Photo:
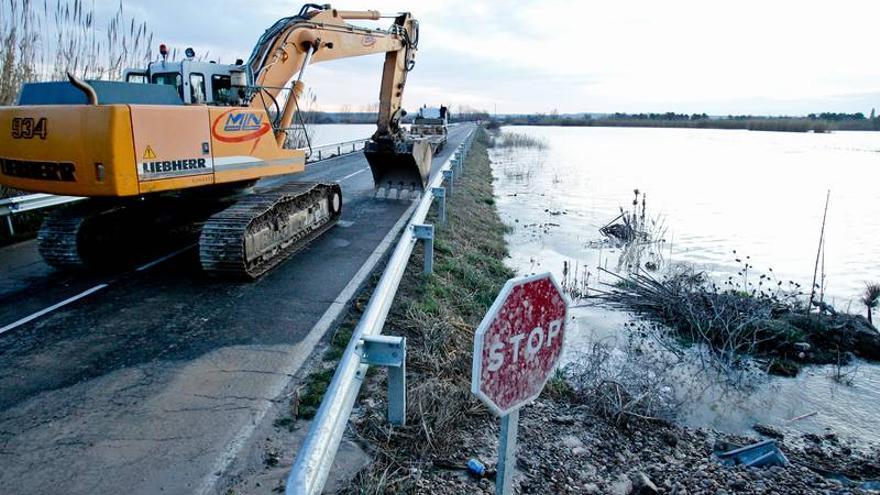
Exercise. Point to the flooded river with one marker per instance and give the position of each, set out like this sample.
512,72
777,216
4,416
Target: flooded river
322,134
759,193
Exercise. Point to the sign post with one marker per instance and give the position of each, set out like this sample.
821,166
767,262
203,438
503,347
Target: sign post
516,349
506,453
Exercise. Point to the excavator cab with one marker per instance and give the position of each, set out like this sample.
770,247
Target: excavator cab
195,82
191,82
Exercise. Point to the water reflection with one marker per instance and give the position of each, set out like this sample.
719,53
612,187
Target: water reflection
759,193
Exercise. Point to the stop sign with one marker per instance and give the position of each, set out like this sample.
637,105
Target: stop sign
519,342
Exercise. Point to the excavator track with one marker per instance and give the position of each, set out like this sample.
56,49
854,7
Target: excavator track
109,234
264,228
57,239
91,234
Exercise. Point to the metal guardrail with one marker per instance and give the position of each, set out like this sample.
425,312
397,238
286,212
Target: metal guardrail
21,204
315,456
29,202
326,151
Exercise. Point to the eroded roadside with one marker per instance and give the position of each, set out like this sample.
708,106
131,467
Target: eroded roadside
567,443
469,269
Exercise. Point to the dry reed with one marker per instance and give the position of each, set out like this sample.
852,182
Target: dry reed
41,43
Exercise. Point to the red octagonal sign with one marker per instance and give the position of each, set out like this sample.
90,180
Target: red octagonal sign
519,342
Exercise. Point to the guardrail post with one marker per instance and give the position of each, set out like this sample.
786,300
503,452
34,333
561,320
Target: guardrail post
425,233
449,175
390,352
440,195
9,225
339,150
353,145
319,155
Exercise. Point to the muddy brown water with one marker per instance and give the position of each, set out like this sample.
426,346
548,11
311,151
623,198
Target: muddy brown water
760,193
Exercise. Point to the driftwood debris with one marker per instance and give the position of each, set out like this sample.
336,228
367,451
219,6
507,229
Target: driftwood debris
735,323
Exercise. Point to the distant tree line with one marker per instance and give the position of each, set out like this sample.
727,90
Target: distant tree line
671,116
814,122
466,113
838,117
369,113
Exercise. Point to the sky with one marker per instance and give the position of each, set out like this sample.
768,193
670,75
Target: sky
509,56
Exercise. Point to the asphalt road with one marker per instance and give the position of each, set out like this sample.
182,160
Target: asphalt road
156,381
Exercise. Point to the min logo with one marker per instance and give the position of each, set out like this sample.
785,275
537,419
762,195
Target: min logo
244,121
234,126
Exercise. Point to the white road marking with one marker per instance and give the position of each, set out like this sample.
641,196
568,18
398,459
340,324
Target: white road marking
305,347
349,176
165,258
88,292
52,308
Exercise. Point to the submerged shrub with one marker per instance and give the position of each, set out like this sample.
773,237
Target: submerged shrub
518,140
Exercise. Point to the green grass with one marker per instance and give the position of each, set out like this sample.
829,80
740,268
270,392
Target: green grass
557,387
469,270
313,392
307,399
438,315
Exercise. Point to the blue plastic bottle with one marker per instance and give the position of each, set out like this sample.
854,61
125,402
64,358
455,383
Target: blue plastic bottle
476,467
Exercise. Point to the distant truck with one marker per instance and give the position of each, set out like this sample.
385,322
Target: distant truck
431,123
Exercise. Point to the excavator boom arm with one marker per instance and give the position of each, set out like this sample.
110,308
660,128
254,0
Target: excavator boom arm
320,34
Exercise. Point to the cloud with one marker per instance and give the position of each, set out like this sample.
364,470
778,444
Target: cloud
749,56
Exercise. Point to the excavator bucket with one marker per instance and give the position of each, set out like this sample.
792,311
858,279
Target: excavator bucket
399,166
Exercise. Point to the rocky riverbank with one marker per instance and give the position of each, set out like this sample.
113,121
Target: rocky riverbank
563,448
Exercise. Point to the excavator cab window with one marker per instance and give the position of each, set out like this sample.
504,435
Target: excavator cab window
136,77
170,79
197,88
221,91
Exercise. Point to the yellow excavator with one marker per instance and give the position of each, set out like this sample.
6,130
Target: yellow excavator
183,142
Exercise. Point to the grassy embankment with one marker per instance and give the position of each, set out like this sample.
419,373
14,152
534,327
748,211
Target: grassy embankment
468,272
437,314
